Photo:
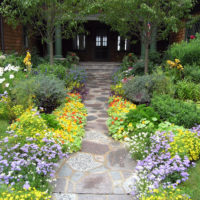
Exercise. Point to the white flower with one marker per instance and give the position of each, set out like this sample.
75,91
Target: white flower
2,80
11,76
3,57
7,84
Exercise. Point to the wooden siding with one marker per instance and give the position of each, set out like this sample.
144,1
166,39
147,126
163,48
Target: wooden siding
13,38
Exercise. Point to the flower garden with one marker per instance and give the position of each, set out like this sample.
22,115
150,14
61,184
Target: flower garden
42,120
158,116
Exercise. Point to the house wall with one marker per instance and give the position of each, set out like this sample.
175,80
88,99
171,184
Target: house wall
13,38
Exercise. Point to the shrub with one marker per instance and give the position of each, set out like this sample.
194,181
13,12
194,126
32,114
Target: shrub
72,58
192,73
187,52
49,93
23,92
139,89
141,112
188,90
58,70
75,78
176,111
163,84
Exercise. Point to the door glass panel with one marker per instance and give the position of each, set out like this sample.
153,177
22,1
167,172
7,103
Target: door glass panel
98,41
105,41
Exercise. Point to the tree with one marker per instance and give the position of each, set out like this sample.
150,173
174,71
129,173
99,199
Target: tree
43,16
141,17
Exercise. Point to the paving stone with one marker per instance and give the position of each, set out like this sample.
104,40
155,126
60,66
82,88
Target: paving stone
77,176
97,136
118,190
83,162
115,175
120,159
99,158
91,118
91,197
119,197
103,99
65,171
99,170
58,196
94,148
60,185
70,188
95,184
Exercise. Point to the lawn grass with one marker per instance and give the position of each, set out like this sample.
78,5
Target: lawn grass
192,185
3,126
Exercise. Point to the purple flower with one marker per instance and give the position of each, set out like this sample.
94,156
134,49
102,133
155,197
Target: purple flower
26,186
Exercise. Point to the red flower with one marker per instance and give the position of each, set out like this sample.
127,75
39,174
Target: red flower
192,37
116,118
113,122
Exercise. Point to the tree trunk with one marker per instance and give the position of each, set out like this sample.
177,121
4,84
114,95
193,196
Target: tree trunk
146,66
51,51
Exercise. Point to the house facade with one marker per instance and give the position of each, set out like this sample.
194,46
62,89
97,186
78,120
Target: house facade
99,43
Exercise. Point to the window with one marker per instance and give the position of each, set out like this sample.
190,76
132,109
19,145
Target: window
192,30
122,44
79,42
101,41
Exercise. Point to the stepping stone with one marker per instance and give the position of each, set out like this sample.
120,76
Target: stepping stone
97,136
58,196
65,171
120,159
60,185
94,148
83,162
91,118
95,184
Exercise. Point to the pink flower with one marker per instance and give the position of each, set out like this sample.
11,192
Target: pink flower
192,37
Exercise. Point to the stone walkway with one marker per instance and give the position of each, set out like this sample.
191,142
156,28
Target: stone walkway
102,170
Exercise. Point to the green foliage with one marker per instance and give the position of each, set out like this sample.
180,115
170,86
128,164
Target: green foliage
13,59
58,70
192,185
72,58
186,52
49,93
141,112
192,73
166,17
139,89
4,125
163,84
176,111
24,91
188,90
128,61
45,91
51,121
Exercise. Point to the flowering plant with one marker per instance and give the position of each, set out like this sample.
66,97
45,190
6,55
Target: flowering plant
27,61
118,108
25,165
30,194
72,119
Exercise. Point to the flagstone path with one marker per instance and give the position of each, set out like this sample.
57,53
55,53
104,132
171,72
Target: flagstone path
103,168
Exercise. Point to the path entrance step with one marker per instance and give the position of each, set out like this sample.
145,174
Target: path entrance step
103,169
93,67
